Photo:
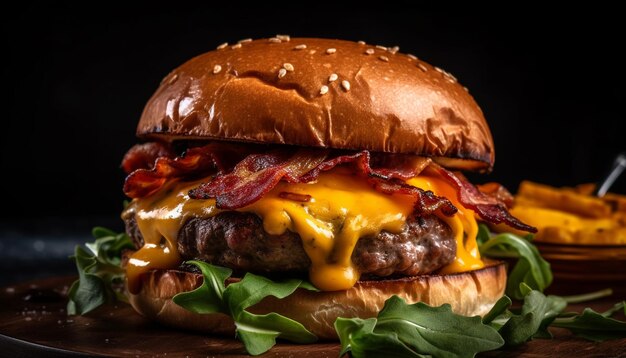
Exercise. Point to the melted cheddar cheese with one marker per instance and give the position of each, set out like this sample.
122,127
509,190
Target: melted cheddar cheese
342,208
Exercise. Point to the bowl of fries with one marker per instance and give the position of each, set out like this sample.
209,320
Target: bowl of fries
582,236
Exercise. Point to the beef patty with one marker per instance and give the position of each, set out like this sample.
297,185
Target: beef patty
237,240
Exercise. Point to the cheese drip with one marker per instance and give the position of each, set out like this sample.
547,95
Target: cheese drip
343,208
463,225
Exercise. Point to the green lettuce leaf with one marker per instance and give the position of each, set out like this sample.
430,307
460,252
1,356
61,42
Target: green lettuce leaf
416,330
257,332
99,273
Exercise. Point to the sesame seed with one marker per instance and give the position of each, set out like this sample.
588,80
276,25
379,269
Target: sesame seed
422,67
346,85
312,52
331,50
274,40
234,47
394,49
412,57
381,47
439,70
282,72
287,66
217,69
172,79
222,46
300,47
333,77
285,38
323,90
244,41
369,51
383,58
449,77
466,89
361,42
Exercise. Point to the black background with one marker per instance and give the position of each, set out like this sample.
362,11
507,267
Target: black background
551,85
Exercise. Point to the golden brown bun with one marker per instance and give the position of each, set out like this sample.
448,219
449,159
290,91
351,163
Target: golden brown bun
470,293
391,102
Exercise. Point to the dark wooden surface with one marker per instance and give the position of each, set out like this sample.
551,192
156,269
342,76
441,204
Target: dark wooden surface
33,321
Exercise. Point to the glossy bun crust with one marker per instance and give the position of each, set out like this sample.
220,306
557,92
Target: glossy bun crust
469,293
274,91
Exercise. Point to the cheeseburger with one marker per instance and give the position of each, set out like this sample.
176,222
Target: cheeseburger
333,161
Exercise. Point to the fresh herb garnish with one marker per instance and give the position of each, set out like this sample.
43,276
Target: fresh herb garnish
531,321
594,326
530,269
100,276
416,330
257,332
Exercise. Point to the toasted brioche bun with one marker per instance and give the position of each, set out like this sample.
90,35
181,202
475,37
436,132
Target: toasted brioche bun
285,92
469,293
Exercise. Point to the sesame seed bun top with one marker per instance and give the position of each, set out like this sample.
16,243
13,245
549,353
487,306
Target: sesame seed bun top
321,93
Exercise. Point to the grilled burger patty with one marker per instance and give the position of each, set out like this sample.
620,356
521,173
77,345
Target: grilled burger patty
238,241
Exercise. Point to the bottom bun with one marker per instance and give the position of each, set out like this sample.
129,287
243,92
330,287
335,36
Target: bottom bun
469,293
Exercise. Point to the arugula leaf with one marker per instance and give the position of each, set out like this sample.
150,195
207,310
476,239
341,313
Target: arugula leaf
538,311
594,326
499,314
584,297
416,330
530,269
99,271
257,332
616,308
357,337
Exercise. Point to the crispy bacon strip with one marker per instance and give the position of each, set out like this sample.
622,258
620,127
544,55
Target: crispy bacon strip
257,174
489,208
214,157
497,191
426,202
384,166
143,156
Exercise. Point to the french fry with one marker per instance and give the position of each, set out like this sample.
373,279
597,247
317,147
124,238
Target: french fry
618,202
560,227
568,201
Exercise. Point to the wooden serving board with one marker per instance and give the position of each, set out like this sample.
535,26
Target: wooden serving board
33,322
